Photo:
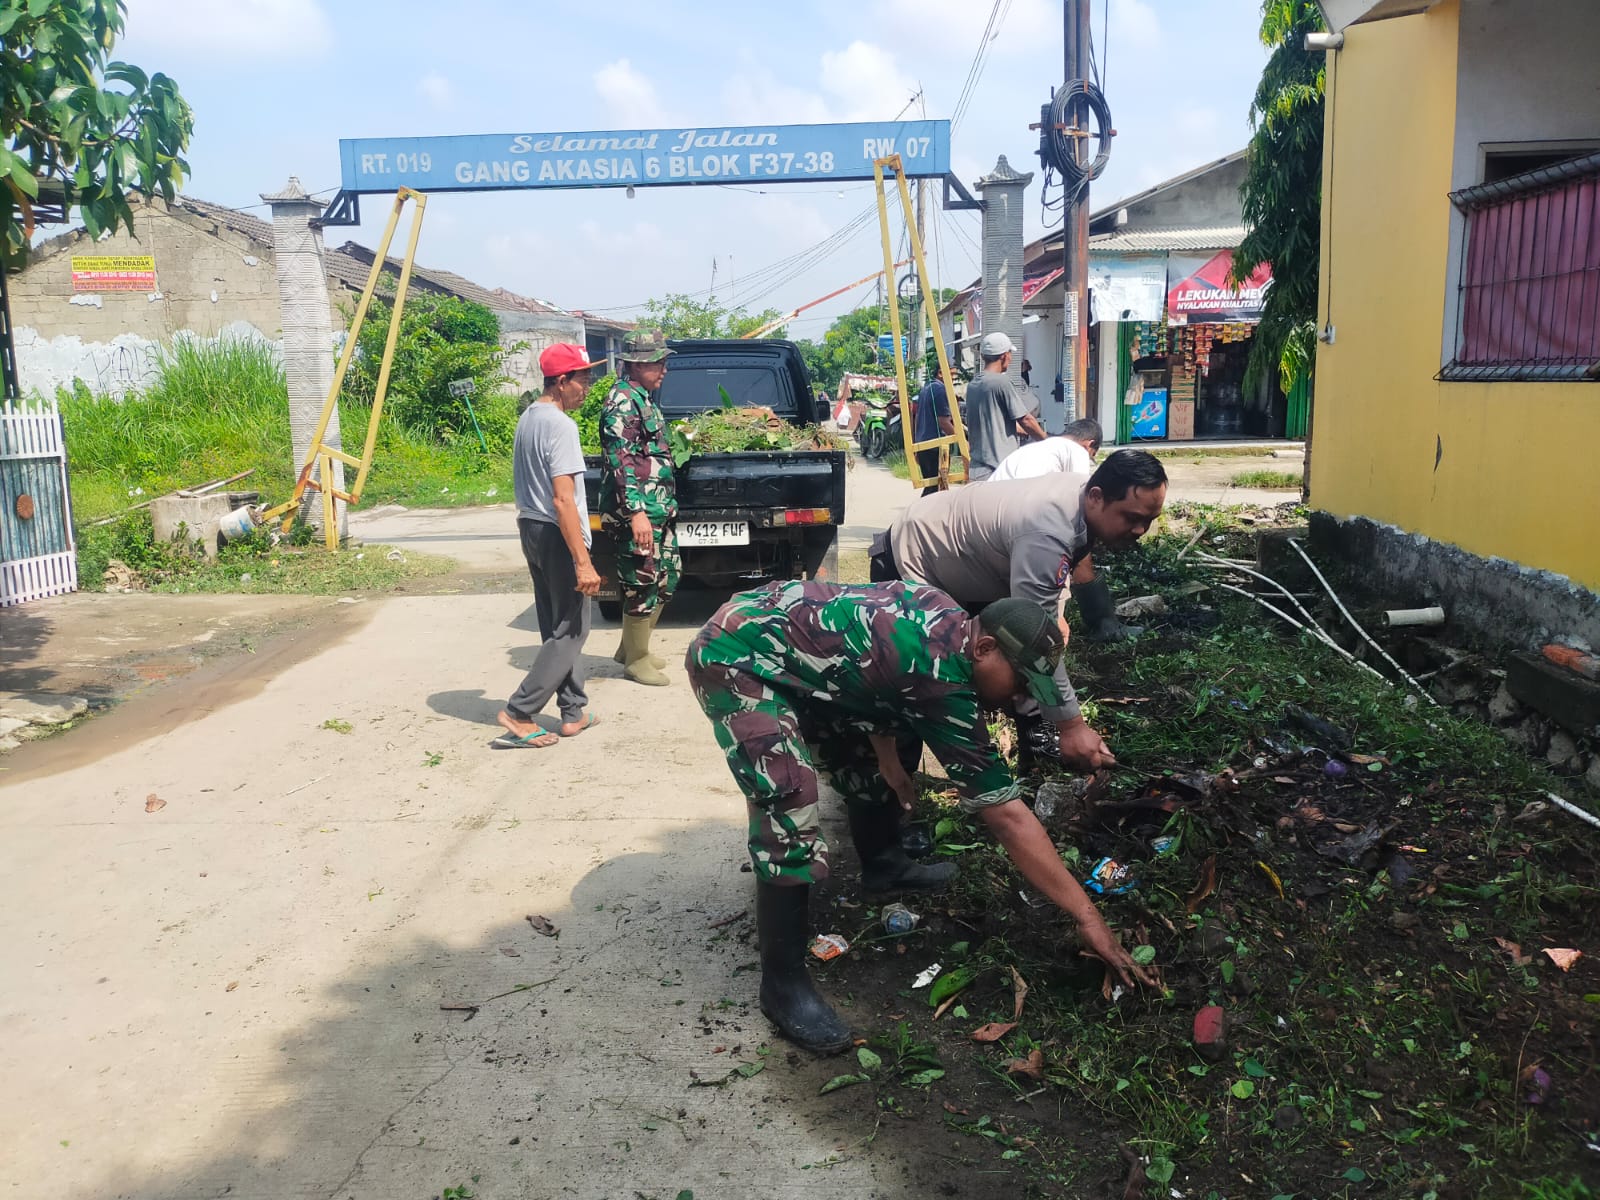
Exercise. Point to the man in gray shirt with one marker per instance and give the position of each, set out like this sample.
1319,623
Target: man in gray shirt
553,521
1023,538
995,412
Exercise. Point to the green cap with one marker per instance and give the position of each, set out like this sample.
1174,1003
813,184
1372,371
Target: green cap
1031,641
645,346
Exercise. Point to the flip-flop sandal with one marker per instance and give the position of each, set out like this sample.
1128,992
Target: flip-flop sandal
510,741
589,722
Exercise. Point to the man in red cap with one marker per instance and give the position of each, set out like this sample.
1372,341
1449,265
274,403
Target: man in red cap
553,519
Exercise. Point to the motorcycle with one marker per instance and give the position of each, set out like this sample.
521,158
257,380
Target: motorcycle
872,435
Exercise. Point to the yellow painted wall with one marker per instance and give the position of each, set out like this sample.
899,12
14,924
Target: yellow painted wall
1517,474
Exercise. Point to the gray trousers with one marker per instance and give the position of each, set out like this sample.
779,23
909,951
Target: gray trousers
563,625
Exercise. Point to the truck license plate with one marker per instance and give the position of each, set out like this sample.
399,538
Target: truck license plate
714,533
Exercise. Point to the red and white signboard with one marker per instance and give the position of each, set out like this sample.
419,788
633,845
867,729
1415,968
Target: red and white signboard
1198,291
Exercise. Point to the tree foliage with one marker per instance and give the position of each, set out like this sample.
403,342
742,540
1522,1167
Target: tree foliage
850,346
1282,191
71,116
682,316
442,339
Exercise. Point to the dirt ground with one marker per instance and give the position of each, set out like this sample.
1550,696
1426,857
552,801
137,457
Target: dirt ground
258,955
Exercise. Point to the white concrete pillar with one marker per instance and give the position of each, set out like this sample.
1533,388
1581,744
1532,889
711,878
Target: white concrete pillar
1002,190
306,314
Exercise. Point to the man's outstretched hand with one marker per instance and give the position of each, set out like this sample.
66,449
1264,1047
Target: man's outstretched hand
1103,944
1083,748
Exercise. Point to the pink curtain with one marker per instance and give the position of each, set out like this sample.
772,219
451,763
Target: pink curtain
1531,292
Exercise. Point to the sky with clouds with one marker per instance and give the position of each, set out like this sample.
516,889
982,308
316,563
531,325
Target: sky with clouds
276,83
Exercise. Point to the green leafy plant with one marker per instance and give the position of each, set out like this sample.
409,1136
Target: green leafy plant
442,339
72,117
335,725
1282,191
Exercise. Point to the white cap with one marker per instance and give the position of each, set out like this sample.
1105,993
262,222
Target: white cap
994,345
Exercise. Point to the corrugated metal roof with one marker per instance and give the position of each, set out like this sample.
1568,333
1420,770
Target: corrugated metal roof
1133,241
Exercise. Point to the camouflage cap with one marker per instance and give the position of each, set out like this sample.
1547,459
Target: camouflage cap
645,346
1031,642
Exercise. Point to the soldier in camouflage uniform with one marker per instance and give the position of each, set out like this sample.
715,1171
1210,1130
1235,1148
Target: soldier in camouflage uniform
639,500
805,677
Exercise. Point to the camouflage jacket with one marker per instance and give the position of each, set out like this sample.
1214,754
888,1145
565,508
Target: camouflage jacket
889,658
638,469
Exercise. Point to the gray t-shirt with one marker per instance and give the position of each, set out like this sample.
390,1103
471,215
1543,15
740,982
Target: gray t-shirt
993,409
546,447
1016,537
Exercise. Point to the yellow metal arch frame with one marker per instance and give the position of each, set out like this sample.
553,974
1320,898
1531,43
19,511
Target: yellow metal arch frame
944,478
318,472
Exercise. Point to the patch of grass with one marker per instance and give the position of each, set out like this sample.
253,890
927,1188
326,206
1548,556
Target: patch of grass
895,460
335,725
1267,479
1378,1027
217,408
252,565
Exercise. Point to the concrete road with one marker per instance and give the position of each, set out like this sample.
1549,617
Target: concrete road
230,926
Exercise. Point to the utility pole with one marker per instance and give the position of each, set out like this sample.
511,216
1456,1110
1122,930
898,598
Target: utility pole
922,311
1075,231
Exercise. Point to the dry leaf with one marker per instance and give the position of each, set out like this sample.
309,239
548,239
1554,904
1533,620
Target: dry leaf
1206,885
993,1031
1032,1066
543,925
954,1111
1363,760
510,953
1564,958
949,1002
231,986
1518,958
1019,993
154,803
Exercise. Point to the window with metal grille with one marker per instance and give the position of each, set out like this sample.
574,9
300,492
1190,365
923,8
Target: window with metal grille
1530,279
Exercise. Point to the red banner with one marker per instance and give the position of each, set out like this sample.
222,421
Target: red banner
1202,294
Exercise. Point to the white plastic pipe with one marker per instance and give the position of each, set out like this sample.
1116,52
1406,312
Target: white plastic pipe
1573,809
1397,617
1356,625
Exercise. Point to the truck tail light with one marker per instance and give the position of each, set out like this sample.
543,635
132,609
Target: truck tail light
803,516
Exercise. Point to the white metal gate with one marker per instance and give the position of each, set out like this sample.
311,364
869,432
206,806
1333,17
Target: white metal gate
37,554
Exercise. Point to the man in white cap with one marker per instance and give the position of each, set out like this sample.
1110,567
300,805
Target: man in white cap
996,414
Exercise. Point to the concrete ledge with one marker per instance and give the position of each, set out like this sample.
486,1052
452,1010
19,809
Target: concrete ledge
1501,605
1569,700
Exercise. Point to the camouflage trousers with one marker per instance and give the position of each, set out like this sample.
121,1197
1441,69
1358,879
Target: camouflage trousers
647,581
776,752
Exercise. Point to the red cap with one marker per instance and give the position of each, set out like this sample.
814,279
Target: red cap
563,358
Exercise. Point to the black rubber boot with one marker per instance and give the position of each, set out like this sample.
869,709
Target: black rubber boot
885,865
1099,612
1038,742
788,996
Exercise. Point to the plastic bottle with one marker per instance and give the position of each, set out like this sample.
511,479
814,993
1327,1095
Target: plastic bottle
897,918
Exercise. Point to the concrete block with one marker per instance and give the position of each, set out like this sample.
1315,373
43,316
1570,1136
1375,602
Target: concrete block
9,725
41,708
1562,751
193,518
1569,700
1592,775
1503,709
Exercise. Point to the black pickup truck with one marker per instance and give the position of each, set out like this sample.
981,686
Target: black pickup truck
749,517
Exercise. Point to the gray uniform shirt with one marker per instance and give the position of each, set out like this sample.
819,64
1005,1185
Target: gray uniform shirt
546,447
993,409
1017,538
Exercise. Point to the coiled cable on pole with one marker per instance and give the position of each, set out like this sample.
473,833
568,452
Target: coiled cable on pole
1057,149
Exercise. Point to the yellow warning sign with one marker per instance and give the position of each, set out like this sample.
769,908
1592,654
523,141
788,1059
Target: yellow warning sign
113,273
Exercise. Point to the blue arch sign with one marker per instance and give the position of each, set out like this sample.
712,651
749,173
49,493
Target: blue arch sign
752,154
